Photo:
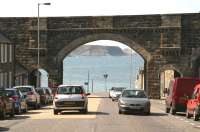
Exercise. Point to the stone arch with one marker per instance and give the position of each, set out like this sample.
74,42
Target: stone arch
170,67
103,36
166,73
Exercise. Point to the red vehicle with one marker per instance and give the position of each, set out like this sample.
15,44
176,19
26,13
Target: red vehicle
177,95
193,104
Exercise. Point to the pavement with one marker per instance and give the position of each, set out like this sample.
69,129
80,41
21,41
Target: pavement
102,117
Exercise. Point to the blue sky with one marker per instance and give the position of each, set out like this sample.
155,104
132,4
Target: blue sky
11,8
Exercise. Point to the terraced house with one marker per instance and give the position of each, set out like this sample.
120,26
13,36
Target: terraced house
6,62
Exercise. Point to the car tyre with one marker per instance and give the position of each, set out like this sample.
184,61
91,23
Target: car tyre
195,115
3,114
36,105
188,115
84,111
26,109
120,112
148,112
19,110
55,112
12,113
167,110
172,110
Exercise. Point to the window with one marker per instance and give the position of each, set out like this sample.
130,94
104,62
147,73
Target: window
10,53
1,79
10,79
2,53
5,53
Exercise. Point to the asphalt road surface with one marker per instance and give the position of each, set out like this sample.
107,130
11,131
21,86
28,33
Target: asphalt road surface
102,117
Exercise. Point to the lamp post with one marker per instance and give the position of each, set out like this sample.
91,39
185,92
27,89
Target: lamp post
105,77
38,49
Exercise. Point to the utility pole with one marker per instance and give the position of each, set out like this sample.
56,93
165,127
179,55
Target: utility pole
88,82
105,77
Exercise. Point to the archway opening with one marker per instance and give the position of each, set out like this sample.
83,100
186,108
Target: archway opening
165,78
43,78
102,64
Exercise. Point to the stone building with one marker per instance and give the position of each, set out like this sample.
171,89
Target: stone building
139,82
6,62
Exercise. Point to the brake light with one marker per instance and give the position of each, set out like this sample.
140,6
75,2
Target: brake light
15,98
30,93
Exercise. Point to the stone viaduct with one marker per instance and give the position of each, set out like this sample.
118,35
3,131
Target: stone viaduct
169,41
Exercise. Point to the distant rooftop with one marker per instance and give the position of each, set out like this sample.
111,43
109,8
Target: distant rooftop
4,39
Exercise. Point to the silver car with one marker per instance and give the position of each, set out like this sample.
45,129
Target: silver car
134,100
33,98
70,97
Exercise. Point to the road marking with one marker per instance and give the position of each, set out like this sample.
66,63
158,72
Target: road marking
187,121
192,124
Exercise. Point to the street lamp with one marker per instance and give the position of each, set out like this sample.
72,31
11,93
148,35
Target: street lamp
105,77
38,31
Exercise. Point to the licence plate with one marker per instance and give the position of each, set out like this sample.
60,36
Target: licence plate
69,103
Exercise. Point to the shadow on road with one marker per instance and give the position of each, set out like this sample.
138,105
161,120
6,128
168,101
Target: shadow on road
2,129
158,114
32,112
142,114
89,113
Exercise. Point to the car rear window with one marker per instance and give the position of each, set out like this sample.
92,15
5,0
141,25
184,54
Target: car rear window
11,92
2,93
70,90
25,89
134,94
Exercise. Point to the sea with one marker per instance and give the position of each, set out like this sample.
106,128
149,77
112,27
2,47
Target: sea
90,71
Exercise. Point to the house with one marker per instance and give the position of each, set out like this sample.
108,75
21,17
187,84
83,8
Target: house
6,62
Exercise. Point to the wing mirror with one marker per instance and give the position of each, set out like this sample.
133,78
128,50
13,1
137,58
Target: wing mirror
87,94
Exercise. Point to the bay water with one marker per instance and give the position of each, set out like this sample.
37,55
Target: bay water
82,69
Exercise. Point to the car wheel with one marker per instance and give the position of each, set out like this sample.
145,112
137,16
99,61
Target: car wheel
167,110
120,112
147,112
55,112
188,115
172,110
19,110
12,113
84,111
3,114
26,108
195,115
38,105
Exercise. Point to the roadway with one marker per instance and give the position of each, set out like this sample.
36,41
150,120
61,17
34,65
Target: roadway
102,117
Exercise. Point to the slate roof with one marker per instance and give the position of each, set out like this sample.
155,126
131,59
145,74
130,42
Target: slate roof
3,39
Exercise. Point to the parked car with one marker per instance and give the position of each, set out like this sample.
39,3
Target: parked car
33,98
177,95
50,94
19,100
46,96
6,105
70,97
134,100
193,104
43,95
115,92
